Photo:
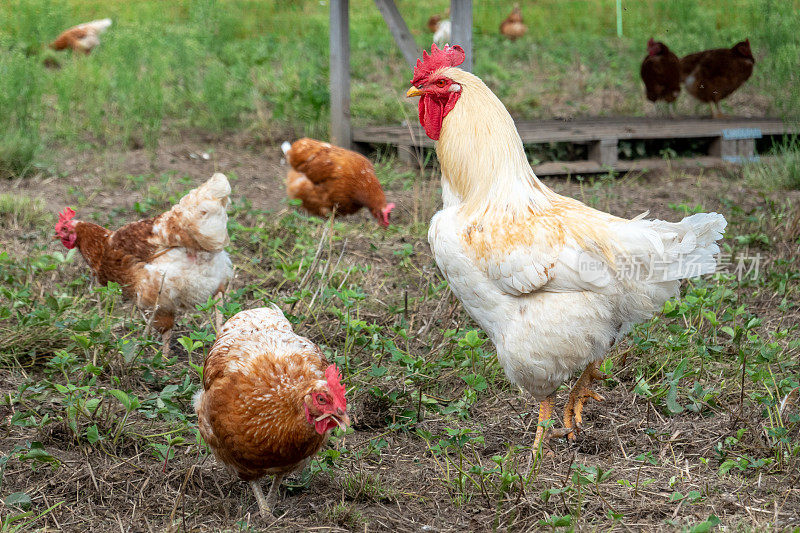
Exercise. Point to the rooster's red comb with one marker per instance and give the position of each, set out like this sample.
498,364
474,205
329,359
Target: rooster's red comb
651,42
335,386
449,56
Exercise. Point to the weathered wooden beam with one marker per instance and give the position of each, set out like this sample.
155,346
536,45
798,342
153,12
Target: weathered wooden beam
340,73
461,20
399,28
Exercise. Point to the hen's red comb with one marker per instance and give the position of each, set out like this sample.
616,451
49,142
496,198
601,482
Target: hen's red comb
651,42
67,214
333,378
449,56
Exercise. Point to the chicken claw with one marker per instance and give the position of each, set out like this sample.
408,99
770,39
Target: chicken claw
577,398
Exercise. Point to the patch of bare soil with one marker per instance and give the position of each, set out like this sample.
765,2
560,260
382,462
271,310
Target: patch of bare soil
128,489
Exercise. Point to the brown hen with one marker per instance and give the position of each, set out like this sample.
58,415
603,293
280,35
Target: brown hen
661,73
712,75
83,37
327,178
513,27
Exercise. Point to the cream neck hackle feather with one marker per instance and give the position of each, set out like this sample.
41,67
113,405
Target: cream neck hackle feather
481,153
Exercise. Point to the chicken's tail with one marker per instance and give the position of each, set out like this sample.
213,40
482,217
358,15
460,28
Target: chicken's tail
286,146
658,254
99,26
660,251
200,219
693,251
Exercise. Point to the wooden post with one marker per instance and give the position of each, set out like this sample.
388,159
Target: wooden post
340,73
399,30
461,20
736,145
604,152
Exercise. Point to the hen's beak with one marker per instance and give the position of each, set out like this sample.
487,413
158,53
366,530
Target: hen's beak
413,91
340,417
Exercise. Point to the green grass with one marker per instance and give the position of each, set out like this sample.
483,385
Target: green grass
98,425
164,69
699,400
20,210
782,171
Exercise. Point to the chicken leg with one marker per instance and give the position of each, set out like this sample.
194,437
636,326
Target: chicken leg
218,317
163,322
716,111
265,504
577,398
166,337
272,495
542,433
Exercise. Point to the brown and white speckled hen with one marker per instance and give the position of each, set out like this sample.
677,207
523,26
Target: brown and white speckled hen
712,75
269,399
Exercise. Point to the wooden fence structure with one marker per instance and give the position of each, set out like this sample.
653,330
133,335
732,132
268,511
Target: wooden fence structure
732,139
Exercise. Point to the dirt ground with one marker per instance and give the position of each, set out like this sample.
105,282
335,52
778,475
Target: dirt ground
129,490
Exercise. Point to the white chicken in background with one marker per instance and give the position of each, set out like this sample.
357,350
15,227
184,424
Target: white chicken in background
442,34
553,282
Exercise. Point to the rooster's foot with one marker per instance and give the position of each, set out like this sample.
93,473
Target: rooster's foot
573,411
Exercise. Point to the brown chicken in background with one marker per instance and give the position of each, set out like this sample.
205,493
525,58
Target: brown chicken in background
712,75
328,178
661,73
433,23
172,262
512,27
269,399
83,37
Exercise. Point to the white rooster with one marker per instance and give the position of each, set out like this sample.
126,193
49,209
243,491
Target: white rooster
553,282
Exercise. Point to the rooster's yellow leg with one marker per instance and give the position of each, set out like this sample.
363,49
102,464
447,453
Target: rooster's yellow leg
542,433
578,396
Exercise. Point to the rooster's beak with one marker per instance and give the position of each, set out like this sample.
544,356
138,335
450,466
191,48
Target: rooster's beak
413,91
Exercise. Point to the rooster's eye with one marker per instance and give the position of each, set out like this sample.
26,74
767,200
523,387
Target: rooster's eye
440,83
321,400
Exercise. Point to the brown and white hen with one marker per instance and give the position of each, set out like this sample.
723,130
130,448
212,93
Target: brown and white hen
269,399
165,264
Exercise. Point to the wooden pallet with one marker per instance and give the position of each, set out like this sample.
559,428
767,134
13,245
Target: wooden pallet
733,139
